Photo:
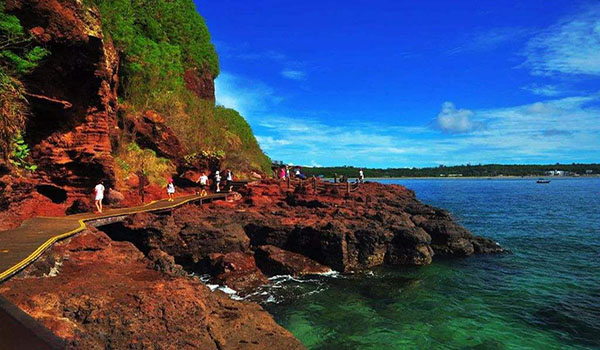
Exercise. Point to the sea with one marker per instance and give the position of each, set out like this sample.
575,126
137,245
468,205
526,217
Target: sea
544,295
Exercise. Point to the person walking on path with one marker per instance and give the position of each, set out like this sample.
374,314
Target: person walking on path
99,195
170,190
218,181
361,176
229,178
203,180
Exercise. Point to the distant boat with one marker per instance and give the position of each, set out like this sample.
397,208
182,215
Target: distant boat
543,181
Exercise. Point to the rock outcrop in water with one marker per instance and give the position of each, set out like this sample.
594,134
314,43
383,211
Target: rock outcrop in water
285,232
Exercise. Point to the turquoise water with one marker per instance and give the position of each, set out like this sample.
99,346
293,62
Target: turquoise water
545,295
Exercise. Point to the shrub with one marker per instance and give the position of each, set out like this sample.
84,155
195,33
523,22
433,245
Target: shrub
20,154
131,159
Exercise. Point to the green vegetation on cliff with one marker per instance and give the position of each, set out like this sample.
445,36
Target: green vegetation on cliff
158,41
18,56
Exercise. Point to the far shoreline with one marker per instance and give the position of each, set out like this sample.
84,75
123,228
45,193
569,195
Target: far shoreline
508,177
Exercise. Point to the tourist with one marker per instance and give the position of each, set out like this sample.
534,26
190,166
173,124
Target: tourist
218,181
282,173
203,180
361,176
299,174
229,178
170,189
99,195
287,171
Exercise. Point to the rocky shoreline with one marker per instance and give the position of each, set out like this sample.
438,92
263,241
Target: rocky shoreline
129,284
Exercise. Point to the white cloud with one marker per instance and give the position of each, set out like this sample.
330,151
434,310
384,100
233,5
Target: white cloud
248,97
454,120
489,40
571,46
269,143
543,90
293,74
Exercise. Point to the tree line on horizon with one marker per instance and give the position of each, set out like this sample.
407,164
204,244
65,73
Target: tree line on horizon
487,170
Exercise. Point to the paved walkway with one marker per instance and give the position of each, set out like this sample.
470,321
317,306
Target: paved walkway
23,245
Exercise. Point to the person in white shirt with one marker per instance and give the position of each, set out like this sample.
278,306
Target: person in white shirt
99,195
361,176
218,181
170,189
203,180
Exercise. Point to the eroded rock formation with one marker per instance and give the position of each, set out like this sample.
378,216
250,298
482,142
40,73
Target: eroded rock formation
72,94
201,83
101,294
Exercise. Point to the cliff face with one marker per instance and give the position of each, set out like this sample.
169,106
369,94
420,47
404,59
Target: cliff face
201,83
72,94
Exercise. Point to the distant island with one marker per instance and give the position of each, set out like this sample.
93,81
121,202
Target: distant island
487,170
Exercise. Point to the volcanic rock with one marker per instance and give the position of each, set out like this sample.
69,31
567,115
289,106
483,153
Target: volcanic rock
375,225
151,131
113,197
201,83
72,94
189,237
276,261
237,271
164,262
105,294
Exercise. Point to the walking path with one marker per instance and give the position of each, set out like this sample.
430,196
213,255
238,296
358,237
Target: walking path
22,246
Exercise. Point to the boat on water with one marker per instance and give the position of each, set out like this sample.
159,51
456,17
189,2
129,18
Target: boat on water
543,181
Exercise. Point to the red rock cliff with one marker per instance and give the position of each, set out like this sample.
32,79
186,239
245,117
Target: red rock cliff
72,94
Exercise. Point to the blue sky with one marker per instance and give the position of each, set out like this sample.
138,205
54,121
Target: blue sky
413,83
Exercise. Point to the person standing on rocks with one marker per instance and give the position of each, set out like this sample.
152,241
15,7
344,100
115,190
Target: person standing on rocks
203,180
361,176
170,190
99,195
218,181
